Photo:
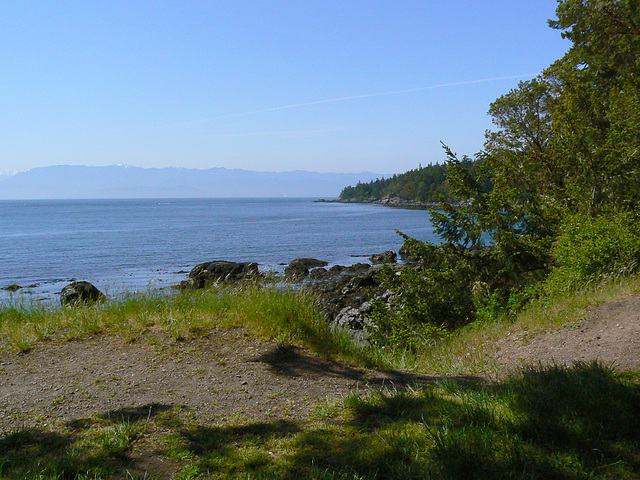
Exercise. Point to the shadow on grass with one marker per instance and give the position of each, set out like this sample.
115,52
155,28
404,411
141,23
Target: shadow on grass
135,414
585,409
121,415
202,440
545,423
37,453
292,361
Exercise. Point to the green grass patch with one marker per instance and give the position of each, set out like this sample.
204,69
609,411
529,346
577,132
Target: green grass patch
541,423
287,316
294,317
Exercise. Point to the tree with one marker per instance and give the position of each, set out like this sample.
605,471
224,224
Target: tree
596,118
564,156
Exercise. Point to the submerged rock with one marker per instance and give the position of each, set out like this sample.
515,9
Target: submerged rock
14,287
206,274
80,292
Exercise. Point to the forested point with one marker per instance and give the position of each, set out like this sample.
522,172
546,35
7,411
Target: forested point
424,184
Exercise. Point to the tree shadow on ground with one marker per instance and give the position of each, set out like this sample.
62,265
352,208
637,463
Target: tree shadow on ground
544,423
137,413
38,453
294,361
565,424
122,415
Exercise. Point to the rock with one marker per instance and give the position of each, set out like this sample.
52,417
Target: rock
336,269
406,254
80,292
206,274
14,287
366,279
351,287
356,268
299,267
384,257
319,273
397,202
351,321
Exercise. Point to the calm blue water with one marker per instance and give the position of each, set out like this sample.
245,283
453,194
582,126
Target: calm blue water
130,245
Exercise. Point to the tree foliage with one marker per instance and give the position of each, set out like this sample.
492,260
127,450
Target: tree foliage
424,184
563,170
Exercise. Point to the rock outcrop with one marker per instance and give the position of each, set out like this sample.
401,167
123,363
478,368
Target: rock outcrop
354,323
78,292
299,268
385,257
206,274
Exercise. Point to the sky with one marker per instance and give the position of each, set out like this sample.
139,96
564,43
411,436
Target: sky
278,85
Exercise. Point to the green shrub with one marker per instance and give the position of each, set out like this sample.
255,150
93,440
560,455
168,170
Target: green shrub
588,249
430,298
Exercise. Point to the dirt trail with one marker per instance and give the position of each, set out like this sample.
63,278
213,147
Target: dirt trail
609,333
225,375
229,374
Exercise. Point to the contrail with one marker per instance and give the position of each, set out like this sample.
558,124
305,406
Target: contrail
369,95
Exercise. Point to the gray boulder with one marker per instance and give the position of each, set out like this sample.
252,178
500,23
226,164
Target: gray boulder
206,274
299,267
80,292
354,323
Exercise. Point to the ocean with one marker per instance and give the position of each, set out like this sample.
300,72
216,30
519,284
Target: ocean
138,245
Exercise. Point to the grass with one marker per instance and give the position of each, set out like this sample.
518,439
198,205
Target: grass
293,317
540,423
572,423
467,351
287,316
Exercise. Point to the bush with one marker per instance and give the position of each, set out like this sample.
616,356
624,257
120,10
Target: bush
430,298
588,249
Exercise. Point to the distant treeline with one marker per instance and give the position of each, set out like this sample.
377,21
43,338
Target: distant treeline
423,184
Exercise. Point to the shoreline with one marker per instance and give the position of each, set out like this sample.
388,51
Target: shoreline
129,283
392,202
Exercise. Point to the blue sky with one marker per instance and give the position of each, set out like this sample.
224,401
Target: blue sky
329,86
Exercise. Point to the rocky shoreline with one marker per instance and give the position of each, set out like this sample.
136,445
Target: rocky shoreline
391,201
345,293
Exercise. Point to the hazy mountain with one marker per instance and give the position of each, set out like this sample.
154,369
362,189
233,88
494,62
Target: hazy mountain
72,182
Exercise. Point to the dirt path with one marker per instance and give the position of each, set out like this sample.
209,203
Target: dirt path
231,375
610,334
225,375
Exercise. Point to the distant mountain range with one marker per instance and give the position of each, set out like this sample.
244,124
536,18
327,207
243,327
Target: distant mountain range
120,181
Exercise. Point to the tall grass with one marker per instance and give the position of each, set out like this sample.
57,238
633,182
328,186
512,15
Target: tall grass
289,316
293,316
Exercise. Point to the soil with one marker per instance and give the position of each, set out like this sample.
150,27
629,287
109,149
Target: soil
230,374
609,334
227,374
